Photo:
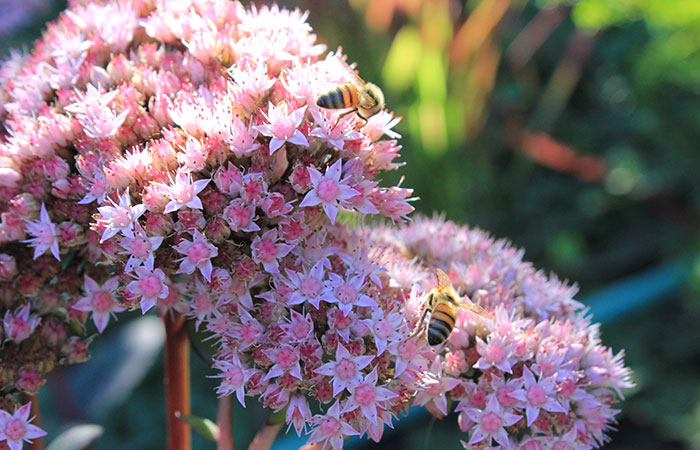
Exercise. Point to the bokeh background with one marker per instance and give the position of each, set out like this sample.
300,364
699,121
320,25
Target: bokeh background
570,127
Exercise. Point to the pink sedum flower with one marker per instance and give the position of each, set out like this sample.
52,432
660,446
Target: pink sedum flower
490,423
19,325
267,250
140,248
16,429
368,397
540,395
234,376
100,300
328,190
45,235
282,126
298,414
198,254
149,286
331,428
119,217
183,192
434,387
345,370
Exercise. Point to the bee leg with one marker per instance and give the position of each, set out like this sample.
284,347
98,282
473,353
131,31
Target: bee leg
418,324
343,115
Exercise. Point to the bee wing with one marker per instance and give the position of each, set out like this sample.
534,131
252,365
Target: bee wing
443,280
476,309
355,78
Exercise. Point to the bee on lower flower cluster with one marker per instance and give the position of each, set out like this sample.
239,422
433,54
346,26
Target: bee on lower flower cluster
443,303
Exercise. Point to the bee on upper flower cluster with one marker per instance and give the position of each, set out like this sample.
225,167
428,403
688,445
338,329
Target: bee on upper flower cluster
366,99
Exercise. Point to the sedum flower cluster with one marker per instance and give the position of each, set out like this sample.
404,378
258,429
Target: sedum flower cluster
170,157
535,375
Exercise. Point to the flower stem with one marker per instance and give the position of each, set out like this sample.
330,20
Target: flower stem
266,436
177,382
223,420
35,412
314,446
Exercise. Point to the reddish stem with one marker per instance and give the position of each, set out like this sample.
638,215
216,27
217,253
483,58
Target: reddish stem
265,437
314,446
35,412
223,421
177,382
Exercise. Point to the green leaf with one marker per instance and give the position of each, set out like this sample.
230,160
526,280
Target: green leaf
278,417
202,426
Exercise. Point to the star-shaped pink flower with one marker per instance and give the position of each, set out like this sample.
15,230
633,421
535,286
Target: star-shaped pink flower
345,370
490,423
45,235
15,428
282,126
100,300
198,254
328,190
331,428
119,217
149,285
183,192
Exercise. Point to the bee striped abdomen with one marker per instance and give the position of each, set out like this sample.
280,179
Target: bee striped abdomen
343,96
441,323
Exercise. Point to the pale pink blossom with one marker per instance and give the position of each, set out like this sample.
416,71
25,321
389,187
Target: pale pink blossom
242,138
183,192
45,235
332,131
496,352
19,325
119,217
331,428
285,360
101,300
380,124
298,414
368,397
240,216
433,388
16,429
198,254
347,292
282,126
267,250
234,376
309,285
140,248
345,370
540,395
490,423
229,179
148,287
328,190
193,157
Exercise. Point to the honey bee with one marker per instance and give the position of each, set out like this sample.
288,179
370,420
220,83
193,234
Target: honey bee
366,99
443,302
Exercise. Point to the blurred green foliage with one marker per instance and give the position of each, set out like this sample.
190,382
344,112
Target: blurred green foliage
569,127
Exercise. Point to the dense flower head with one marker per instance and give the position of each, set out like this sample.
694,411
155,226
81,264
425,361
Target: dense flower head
176,161
534,371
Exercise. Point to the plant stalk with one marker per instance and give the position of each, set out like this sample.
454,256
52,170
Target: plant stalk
177,382
223,421
266,436
35,412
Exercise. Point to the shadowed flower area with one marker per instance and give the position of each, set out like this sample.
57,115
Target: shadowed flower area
169,155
